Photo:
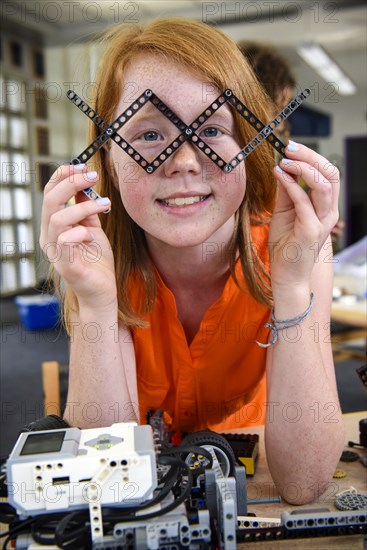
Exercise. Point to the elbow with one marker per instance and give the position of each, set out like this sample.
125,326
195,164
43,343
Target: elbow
317,483
298,494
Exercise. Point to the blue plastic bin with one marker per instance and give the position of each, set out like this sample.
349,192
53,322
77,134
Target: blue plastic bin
38,312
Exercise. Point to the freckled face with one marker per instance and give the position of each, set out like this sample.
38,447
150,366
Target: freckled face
188,199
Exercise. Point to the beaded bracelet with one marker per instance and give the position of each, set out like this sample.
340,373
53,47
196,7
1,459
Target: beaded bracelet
276,324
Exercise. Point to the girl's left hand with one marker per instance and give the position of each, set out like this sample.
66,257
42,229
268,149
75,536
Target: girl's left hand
302,220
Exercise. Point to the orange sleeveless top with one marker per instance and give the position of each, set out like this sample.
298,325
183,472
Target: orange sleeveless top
216,382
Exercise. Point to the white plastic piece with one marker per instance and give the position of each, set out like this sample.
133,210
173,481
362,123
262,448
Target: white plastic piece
251,522
65,470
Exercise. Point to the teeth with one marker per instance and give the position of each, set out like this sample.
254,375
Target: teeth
182,201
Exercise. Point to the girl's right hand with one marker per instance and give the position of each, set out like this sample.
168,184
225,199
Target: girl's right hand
73,240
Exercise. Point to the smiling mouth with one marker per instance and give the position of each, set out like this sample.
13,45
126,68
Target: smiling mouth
183,201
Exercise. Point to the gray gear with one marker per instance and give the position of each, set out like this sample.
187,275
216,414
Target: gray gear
351,501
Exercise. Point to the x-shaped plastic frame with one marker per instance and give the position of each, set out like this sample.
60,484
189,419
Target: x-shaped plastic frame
187,132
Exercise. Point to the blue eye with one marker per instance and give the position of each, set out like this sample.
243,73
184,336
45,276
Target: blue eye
211,132
151,136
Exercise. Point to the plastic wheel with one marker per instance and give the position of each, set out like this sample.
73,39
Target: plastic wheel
221,447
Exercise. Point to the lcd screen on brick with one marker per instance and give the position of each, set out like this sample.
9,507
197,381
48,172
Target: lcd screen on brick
43,443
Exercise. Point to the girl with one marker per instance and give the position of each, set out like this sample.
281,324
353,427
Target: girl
191,261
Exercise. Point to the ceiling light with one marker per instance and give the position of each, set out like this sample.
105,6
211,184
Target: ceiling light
319,60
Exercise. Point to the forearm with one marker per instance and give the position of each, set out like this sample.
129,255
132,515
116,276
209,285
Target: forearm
102,385
304,428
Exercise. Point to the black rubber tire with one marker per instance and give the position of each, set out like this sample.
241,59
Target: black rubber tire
207,437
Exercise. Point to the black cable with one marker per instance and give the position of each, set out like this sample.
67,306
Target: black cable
169,480
71,540
71,531
128,513
36,523
7,514
67,540
43,539
6,542
192,449
184,495
42,526
22,525
19,527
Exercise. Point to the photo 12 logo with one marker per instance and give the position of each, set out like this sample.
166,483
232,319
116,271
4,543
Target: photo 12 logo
268,11
71,11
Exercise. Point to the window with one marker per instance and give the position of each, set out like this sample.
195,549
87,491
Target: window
42,141
38,64
18,269
24,145
45,171
16,54
18,132
40,103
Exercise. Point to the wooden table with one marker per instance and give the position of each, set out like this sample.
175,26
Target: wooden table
354,314
262,486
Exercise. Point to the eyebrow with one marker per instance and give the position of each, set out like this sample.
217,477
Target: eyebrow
146,115
223,113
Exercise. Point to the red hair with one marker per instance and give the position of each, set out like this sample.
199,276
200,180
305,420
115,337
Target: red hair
210,54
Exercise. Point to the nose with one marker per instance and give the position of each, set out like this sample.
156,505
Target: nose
184,160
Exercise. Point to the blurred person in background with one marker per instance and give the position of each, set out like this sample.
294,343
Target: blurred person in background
275,74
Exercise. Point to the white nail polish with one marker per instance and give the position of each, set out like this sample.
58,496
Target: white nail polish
278,169
292,146
79,166
91,175
103,201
